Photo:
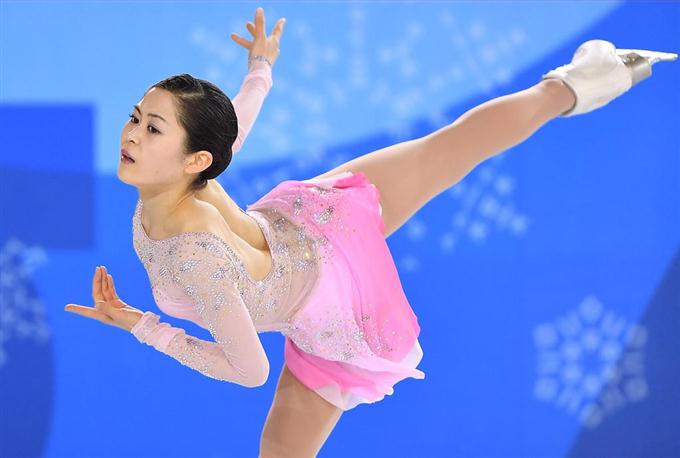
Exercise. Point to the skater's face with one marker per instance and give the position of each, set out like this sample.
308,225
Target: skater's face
155,140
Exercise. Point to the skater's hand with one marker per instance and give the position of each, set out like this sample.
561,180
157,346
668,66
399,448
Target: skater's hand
261,45
108,308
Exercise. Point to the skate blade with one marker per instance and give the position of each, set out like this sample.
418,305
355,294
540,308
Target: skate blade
651,56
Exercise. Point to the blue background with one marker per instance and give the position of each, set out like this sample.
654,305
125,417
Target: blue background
546,282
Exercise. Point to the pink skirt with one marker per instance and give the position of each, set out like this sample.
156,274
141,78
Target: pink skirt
359,280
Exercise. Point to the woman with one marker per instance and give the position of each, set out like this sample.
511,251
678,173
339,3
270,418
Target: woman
309,258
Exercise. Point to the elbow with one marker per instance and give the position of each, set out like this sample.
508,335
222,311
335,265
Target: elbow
256,382
256,385
257,379
263,378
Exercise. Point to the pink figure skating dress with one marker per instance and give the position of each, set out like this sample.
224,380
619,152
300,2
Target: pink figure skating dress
333,290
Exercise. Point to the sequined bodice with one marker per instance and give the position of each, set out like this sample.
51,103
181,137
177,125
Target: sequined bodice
271,302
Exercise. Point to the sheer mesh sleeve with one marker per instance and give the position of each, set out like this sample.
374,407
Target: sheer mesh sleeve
248,102
236,355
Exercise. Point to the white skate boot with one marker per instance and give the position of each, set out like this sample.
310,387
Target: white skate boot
598,73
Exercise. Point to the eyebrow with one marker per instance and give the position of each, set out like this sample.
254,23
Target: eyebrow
153,115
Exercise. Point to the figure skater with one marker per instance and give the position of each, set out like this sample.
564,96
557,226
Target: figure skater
309,258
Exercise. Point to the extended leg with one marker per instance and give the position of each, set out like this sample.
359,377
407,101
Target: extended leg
299,420
411,173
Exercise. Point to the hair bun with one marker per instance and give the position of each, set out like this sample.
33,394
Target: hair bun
209,119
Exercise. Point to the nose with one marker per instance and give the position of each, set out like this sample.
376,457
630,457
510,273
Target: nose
130,137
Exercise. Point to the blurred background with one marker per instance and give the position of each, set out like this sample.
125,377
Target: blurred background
546,283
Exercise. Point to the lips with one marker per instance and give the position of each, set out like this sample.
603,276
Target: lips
126,156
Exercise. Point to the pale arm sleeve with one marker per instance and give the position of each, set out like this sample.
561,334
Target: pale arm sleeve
236,355
248,102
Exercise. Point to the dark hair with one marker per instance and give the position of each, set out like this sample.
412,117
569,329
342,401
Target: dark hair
209,119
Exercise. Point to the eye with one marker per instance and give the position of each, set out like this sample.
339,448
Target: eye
153,129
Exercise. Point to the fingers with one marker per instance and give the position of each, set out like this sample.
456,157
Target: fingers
105,284
243,42
112,288
96,285
259,22
115,300
88,312
251,28
100,299
258,30
110,295
278,29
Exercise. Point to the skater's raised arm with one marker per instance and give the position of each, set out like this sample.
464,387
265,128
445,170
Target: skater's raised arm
262,54
248,102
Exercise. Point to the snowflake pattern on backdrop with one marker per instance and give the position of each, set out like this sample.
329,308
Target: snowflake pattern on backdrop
590,362
387,75
483,203
22,314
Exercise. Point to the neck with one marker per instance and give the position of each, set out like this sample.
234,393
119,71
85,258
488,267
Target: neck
160,206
